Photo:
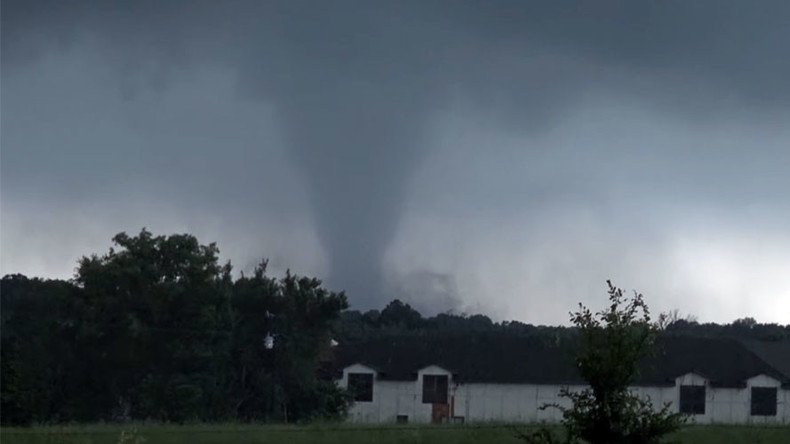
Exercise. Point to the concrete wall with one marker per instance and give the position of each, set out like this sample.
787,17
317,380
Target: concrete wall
521,402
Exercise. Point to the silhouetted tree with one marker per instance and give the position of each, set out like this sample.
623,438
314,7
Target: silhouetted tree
157,329
37,349
612,343
302,337
400,314
281,331
155,326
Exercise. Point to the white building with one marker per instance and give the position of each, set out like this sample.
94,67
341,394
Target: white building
496,379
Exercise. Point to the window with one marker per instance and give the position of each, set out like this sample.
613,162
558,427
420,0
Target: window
361,386
434,389
692,399
402,419
763,401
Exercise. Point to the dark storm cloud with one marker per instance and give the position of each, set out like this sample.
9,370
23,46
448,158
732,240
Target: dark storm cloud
357,89
521,56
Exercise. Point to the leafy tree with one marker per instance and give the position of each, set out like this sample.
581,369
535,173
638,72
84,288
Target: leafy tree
37,336
154,327
304,316
612,343
277,379
400,314
253,303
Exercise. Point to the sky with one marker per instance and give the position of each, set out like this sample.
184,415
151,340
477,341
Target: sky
503,157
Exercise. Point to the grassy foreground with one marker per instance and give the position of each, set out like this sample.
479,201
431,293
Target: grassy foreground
341,434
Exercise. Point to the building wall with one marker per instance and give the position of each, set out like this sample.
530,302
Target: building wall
478,402
508,402
394,398
733,405
783,397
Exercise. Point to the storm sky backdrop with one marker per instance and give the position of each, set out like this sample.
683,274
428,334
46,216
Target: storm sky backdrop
504,157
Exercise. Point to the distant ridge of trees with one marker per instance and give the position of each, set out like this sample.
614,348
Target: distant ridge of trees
400,318
157,328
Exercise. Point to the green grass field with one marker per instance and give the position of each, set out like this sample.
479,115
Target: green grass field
341,434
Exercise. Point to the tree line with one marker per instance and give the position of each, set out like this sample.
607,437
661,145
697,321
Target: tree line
399,318
158,329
